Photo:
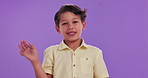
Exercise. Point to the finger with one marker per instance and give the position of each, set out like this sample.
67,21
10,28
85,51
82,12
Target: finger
20,47
21,53
32,46
23,45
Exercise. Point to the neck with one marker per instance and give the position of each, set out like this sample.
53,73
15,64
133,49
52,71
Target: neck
73,44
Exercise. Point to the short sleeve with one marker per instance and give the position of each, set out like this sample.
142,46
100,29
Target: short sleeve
100,70
48,61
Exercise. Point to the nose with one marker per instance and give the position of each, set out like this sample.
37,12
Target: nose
71,26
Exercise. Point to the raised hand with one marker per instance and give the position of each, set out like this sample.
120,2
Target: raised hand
28,50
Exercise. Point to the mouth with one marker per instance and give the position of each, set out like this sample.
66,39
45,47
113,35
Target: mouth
71,33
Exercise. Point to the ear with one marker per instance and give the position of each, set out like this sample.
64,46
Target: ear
84,25
57,29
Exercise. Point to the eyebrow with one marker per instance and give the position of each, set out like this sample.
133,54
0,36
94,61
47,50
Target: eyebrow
62,20
75,18
65,20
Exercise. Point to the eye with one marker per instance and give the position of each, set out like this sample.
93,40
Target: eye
75,21
64,23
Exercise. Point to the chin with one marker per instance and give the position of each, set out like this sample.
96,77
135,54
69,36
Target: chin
72,39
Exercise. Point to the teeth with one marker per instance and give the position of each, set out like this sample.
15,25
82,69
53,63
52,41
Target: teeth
71,33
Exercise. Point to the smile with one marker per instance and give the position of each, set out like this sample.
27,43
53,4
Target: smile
71,33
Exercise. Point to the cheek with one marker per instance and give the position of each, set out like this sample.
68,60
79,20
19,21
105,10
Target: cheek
80,30
63,29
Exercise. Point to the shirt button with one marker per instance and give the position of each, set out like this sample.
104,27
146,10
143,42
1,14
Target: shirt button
74,65
74,77
74,54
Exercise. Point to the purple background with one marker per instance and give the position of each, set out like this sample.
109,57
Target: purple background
118,27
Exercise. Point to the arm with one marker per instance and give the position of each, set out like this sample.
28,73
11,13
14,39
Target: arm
100,69
39,72
30,52
50,76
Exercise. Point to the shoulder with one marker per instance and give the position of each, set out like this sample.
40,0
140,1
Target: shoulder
51,48
94,49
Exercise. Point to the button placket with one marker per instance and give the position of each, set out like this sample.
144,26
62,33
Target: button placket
74,65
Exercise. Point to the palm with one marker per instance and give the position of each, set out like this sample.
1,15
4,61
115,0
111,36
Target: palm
31,54
28,50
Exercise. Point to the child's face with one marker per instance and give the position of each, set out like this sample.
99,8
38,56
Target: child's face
70,26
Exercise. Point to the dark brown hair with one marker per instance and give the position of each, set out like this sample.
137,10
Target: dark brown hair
70,8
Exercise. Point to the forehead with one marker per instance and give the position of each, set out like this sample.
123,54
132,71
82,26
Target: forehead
68,16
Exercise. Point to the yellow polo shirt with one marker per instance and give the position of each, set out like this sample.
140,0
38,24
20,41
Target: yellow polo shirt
85,62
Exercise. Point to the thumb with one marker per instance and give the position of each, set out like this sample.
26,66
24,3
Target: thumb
31,46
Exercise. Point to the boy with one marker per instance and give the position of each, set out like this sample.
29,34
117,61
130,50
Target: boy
72,58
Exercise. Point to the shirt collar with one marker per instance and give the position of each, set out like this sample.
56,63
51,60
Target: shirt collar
63,46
